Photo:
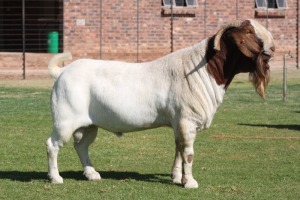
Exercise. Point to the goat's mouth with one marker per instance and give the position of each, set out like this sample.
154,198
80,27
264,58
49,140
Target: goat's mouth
268,54
265,57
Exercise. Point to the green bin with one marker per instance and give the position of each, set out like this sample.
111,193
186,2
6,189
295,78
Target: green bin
53,40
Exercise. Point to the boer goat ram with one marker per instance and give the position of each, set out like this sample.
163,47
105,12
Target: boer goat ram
181,90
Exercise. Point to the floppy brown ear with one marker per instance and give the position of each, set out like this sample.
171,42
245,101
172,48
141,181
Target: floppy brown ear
245,40
222,30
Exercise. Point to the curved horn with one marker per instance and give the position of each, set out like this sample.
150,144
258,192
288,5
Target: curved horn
222,30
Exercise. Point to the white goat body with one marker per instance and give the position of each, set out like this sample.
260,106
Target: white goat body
176,90
126,97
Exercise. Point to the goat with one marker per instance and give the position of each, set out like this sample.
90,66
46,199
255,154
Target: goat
181,90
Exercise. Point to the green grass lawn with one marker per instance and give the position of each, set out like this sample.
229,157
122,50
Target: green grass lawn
251,151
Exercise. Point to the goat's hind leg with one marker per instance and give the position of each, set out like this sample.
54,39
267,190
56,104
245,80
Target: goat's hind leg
83,138
53,144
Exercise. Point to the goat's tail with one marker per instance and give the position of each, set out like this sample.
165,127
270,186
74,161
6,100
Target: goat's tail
58,59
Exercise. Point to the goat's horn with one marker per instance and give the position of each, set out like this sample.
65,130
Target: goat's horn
222,30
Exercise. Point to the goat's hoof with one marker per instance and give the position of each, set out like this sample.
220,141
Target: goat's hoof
191,183
92,176
56,179
177,178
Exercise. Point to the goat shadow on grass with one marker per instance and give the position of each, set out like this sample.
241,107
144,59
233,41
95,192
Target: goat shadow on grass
295,127
78,175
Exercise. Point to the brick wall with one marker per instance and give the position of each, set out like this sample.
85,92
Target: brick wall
141,31
81,27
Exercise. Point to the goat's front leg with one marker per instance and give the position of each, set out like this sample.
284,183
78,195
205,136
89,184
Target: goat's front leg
187,136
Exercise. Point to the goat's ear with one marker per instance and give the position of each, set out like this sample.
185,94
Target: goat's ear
246,41
222,30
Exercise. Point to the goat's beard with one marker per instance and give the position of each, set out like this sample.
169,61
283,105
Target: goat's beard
261,75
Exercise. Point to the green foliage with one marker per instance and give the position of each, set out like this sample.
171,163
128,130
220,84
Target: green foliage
251,151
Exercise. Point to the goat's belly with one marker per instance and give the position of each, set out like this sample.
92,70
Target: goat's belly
118,124
124,127
127,120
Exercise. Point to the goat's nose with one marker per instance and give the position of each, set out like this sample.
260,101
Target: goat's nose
272,49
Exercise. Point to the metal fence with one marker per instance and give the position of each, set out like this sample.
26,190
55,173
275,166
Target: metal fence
34,26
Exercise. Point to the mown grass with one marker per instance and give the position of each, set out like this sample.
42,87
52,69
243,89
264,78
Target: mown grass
260,160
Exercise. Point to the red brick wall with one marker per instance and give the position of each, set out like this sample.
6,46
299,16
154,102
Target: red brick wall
140,30
82,40
124,36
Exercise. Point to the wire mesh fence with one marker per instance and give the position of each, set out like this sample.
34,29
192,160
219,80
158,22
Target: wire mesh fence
26,27
41,22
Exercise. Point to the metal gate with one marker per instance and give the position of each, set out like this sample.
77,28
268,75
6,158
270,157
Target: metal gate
26,26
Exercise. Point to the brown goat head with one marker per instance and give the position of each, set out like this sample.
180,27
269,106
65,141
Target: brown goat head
247,47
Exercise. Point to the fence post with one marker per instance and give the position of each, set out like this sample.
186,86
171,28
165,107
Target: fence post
297,35
23,39
285,75
172,17
137,29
